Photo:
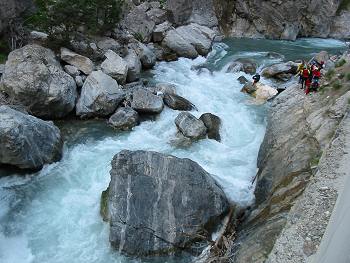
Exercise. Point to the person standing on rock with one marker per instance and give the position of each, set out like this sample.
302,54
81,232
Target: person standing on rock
305,75
316,75
301,67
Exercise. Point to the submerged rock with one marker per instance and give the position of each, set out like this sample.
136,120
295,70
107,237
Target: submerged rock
246,65
159,204
190,126
144,101
26,141
125,118
100,96
34,78
213,124
177,102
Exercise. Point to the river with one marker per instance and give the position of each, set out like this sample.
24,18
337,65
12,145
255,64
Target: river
53,215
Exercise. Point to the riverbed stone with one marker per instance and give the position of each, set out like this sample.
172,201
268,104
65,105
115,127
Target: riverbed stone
177,102
35,79
213,124
190,126
84,64
100,96
26,141
144,101
134,66
125,118
157,204
281,71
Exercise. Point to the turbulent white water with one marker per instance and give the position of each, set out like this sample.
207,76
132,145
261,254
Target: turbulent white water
53,216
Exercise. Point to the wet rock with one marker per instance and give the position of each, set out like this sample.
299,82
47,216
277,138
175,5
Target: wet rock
213,124
249,88
168,188
35,79
248,66
26,141
134,66
125,118
100,96
166,88
242,80
84,64
190,126
115,66
274,55
281,71
144,101
177,102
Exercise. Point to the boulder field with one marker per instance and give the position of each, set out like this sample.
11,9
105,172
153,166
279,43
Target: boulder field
155,204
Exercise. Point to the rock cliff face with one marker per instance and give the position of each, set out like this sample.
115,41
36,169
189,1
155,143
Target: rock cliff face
299,131
271,19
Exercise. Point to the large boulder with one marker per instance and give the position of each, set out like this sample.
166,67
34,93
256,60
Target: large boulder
134,66
144,101
26,141
190,40
100,96
190,126
147,57
177,102
125,118
160,31
213,124
36,79
140,24
115,66
281,71
157,15
159,204
175,42
261,92
84,64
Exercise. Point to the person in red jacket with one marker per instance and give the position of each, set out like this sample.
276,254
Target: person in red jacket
305,74
316,75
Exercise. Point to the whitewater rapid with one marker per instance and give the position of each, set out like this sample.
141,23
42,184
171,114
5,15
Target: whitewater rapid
53,216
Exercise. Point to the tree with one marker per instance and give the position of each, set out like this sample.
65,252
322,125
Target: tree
65,16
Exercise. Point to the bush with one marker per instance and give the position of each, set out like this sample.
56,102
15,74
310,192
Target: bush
65,16
340,63
329,74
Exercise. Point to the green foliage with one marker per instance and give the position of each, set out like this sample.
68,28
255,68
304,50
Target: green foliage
344,5
162,3
340,63
329,74
65,16
3,58
4,50
337,85
138,36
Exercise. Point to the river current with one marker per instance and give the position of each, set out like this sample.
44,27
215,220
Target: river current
53,216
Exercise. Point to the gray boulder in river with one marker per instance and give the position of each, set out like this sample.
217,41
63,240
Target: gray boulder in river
213,124
144,101
177,102
125,118
36,79
159,204
100,96
26,141
190,126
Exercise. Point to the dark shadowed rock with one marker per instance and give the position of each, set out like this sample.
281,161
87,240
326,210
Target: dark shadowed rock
144,101
249,88
84,64
213,124
26,141
246,65
100,96
160,204
242,80
177,102
190,126
125,118
34,78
